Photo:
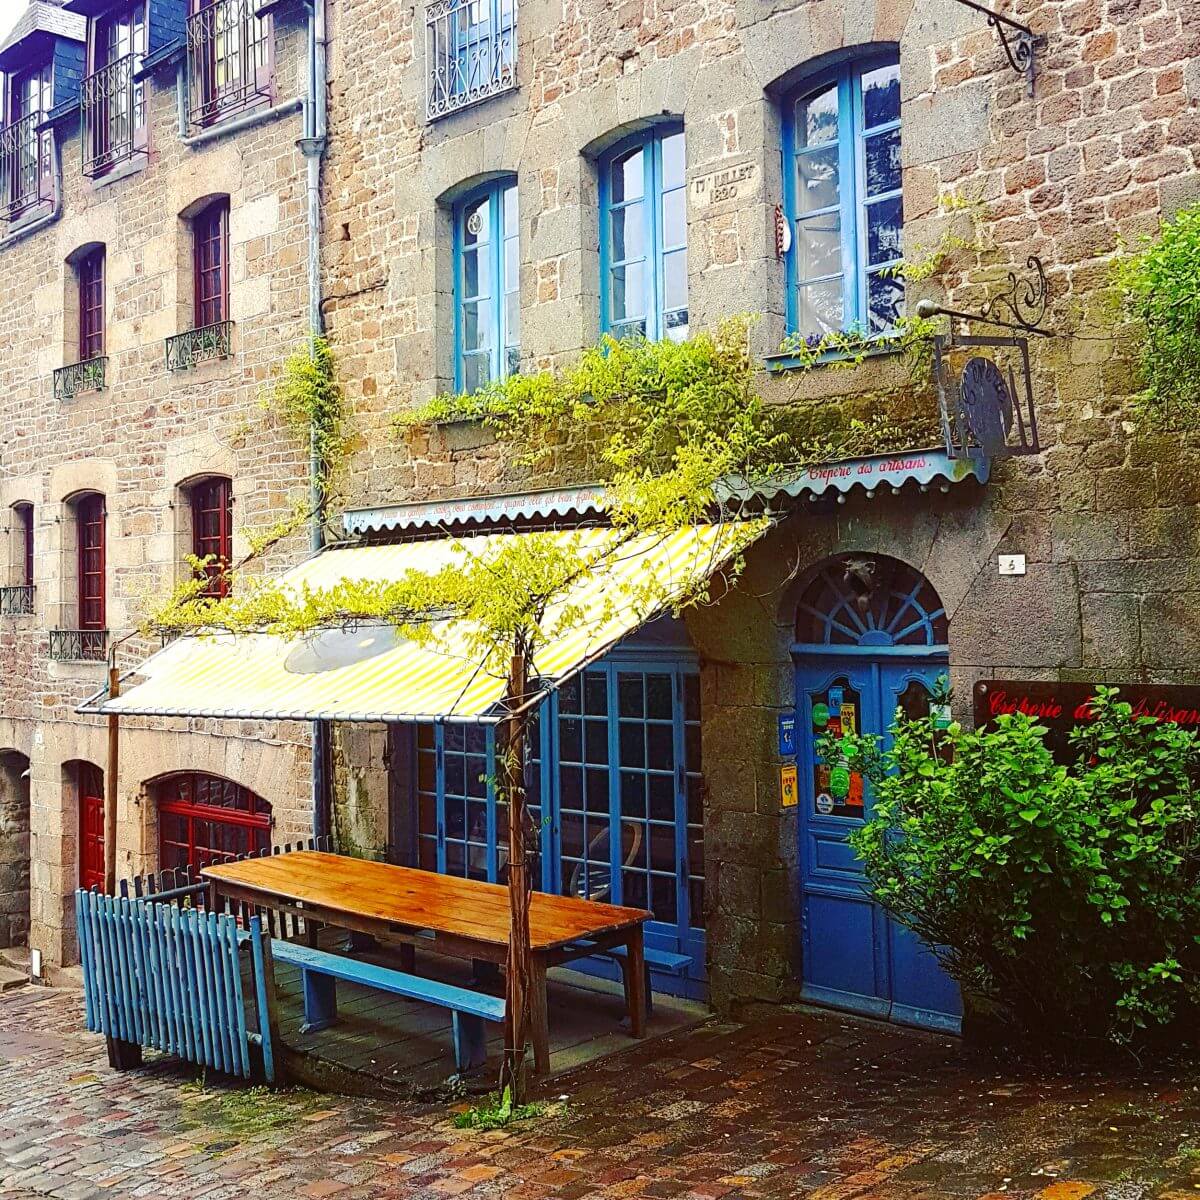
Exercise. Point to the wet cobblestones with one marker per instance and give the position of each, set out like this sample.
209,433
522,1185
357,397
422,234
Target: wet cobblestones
795,1105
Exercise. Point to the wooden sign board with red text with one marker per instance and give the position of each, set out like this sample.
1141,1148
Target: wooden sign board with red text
1063,706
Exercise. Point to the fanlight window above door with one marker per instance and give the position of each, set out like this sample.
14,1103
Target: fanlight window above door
870,600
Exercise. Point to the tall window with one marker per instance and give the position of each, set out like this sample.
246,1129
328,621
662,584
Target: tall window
212,533
90,534
487,286
26,158
644,238
113,100
229,58
210,263
842,140
23,527
91,305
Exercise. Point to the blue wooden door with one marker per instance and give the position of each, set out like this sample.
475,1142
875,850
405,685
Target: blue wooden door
854,955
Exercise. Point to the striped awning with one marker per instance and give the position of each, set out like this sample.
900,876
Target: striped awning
373,673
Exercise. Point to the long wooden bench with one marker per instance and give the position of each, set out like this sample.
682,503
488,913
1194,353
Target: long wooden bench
320,971
665,961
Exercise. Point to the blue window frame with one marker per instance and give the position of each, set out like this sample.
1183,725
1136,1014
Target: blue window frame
487,262
843,196
643,237
615,792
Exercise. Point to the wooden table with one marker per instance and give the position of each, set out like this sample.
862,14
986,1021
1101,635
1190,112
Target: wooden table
462,918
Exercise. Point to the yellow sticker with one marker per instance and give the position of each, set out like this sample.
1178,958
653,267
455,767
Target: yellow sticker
789,788
849,718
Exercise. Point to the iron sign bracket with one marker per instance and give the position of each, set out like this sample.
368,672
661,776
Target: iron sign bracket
1018,41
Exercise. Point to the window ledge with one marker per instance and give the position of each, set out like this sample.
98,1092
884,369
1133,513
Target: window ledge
778,363
133,165
30,216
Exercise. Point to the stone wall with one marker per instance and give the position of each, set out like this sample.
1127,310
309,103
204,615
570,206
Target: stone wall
14,850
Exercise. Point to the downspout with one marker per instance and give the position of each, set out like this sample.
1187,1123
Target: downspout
312,146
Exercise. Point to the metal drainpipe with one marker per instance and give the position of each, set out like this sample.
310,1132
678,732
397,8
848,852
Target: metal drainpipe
312,146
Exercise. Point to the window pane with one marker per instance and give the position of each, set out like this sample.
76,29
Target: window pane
628,299
674,219
512,264
676,324
675,280
885,221
476,331
476,222
817,118
672,162
885,299
627,227
819,246
470,273
476,372
883,162
817,182
510,211
628,177
820,307
881,95
659,697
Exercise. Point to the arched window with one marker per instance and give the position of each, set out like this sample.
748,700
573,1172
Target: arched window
870,600
487,301
210,263
211,503
90,268
643,237
22,544
842,187
204,819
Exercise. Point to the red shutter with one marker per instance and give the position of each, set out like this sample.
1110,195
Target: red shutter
89,782
210,244
91,305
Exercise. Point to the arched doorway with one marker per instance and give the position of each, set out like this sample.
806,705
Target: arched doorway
87,779
204,819
14,849
871,636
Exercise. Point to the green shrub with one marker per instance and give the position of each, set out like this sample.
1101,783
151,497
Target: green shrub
1064,898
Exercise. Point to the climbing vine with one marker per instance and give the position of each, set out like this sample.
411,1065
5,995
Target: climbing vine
1158,284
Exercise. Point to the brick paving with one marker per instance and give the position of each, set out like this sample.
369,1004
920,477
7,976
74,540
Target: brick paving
793,1105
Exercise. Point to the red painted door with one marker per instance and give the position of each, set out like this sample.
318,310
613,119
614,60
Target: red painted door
91,826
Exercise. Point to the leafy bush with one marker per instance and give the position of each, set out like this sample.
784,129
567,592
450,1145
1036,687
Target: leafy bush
1159,288
1064,898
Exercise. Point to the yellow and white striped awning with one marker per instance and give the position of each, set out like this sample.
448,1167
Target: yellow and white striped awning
373,673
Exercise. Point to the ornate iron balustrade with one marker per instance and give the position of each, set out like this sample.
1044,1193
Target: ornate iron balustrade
228,60
113,108
17,600
86,376
24,164
79,645
471,52
185,350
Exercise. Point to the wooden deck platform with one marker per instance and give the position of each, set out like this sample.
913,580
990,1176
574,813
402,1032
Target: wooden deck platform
384,1042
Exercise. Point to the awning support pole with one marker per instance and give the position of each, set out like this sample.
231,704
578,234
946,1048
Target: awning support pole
110,782
513,1074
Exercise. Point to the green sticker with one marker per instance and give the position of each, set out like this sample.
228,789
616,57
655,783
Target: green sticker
839,782
820,715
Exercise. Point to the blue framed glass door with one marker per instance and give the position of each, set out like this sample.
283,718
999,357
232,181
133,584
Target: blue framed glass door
854,955
615,794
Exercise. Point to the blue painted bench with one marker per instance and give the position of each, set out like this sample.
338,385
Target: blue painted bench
660,960
320,971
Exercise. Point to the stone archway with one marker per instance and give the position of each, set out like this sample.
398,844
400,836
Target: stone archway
14,849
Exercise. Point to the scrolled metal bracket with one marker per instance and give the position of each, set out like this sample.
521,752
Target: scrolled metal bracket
1021,306
1018,41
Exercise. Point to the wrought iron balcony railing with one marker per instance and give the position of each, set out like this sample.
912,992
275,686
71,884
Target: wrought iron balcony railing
79,645
228,60
113,107
86,376
25,167
185,350
17,600
470,52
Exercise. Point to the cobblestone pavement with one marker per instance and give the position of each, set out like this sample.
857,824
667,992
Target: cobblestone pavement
797,1105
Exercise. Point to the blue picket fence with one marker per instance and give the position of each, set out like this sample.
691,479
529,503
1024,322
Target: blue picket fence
171,978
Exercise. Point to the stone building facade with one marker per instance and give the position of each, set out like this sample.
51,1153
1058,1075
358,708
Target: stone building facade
143,440
1101,151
